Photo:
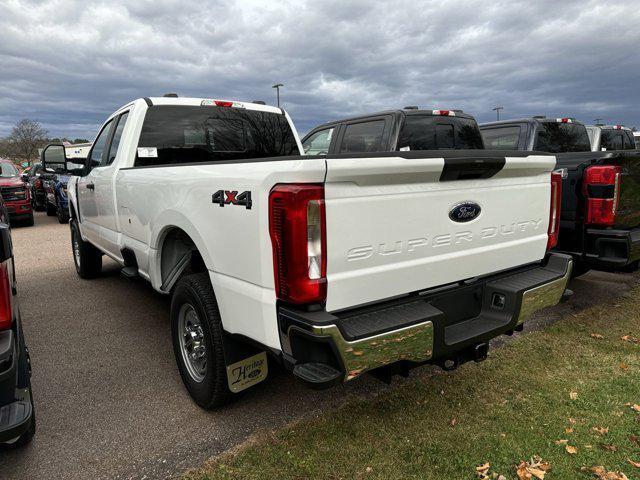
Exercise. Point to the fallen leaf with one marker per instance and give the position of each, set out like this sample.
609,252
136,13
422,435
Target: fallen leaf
573,395
630,339
568,430
610,447
600,430
635,464
572,421
562,442
634,439
571,450
453,422
597,336
484,468
635,407
534,468
624,366
369,469
604,474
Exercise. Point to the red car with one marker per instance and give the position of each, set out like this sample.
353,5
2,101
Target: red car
15,193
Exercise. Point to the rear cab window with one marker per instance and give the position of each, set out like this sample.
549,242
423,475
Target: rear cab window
558,137
363,137
502,138
611,139
176,134
433,132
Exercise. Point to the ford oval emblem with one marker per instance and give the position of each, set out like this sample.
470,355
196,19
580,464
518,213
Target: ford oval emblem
464,212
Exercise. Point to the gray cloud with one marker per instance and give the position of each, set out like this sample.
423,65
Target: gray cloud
69,64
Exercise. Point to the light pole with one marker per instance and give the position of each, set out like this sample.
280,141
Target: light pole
497,110
277,87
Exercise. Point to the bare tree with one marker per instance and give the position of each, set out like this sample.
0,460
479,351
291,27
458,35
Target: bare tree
25,139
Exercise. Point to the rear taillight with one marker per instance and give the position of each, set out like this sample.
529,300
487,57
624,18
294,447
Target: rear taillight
556,204
298,237
445,113
6,315
601,188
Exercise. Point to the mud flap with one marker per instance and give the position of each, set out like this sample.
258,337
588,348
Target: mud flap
247,364
247,372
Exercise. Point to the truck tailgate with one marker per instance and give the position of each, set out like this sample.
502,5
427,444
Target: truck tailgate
389,225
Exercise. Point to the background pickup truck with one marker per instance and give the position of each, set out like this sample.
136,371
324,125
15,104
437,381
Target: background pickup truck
600,223
408,129
610,137
333,265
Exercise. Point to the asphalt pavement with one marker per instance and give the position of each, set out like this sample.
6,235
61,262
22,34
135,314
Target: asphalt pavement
109,400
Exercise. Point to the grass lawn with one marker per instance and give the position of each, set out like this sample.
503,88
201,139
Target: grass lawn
569,388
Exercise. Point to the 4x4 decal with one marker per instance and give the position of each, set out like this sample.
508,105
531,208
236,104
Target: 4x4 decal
232,197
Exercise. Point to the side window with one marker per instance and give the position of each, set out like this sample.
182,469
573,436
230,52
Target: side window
629,142
113,149
363,137
318,143
95,157
503,138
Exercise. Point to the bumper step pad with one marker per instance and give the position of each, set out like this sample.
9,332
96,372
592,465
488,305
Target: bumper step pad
317,375
13,418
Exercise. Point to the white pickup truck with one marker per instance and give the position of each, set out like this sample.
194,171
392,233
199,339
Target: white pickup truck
331,265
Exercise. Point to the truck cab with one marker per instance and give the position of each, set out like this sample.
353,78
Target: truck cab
408,129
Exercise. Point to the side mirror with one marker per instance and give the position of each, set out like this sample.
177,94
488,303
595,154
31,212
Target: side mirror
54,160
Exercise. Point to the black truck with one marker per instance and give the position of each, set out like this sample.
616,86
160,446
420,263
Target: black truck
17,416
600,219
406,129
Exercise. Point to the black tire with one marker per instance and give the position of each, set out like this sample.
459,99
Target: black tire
51,209
29,221
195,291
86,257
62,216
38,208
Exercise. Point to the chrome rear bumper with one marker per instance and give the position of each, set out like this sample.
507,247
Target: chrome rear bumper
433,327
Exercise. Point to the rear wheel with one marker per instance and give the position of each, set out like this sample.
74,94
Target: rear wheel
29,221
87,258
197,334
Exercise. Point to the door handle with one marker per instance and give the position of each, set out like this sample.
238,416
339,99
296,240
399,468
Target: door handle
90,186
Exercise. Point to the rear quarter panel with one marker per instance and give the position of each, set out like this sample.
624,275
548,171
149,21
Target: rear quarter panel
234,241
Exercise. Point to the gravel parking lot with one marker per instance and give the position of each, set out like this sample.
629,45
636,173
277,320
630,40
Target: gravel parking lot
109,400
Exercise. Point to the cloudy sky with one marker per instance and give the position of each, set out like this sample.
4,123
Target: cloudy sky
69,64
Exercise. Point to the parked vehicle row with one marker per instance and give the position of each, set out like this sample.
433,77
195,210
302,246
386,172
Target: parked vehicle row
373,255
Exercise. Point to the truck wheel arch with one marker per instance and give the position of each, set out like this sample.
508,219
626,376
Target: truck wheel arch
178,253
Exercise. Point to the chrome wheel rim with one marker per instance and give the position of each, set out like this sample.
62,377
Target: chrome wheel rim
192,346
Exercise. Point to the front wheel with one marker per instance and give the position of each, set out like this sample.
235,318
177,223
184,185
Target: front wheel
87,258
197,334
